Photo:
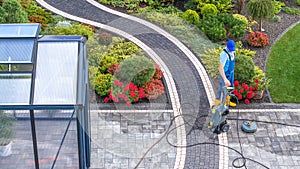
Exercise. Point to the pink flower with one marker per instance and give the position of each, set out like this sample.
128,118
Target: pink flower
246,101
121,95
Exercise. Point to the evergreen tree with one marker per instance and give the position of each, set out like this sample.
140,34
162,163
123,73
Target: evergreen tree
260,9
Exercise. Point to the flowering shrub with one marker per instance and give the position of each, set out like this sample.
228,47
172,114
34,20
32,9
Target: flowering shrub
260,84
158,73
113,68
247,92
258,39
154,88
243,91
129,93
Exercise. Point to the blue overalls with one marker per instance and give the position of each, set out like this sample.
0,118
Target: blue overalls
229,73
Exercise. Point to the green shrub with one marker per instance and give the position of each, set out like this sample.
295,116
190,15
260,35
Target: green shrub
209,9
298,2
212,28
137,69
103,84
278,5
211,60
123,49
236,28
292,11
104,38
190,16
105,62
222,26
247,52
7,122
93,71
245,21
224,6
244,68
74,29
95,52
37,14
241,18
276,18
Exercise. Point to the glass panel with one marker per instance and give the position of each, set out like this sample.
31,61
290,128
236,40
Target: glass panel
22,155
56,73
50,135
16,50
19,30
8,68
15,89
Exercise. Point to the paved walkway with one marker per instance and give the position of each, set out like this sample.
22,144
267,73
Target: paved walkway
121,136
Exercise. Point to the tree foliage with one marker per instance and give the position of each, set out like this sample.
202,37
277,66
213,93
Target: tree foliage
260,9
12,12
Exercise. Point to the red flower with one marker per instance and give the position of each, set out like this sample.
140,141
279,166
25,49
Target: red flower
236,83
141,93
132,94
106,99
251,88
115,99
249,94
235,92
245,86
246,101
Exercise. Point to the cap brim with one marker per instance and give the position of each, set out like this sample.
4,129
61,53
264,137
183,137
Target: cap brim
231,49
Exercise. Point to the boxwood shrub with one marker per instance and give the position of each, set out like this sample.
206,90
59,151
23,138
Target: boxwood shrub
244,68
137,69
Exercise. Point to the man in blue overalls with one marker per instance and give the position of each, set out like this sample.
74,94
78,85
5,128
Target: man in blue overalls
226,70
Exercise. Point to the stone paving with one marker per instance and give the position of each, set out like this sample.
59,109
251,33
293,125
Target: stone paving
276,146
49,137
119,140
121,137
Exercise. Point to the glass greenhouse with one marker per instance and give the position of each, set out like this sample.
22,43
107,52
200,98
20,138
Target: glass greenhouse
44,87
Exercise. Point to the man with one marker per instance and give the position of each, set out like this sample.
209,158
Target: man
226,70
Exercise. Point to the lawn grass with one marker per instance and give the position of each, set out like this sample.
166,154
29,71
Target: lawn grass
283,68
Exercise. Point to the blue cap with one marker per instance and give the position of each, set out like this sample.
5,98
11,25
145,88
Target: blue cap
231,45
